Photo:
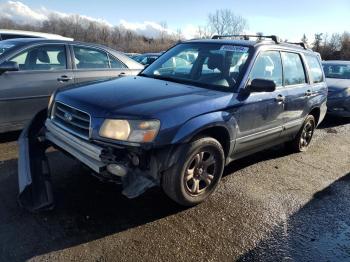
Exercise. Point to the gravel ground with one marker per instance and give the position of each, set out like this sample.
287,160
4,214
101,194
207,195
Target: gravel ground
271,206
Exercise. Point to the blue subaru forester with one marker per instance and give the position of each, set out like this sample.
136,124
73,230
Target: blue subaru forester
199,106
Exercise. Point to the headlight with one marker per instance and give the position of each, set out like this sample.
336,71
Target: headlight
341,94
130,130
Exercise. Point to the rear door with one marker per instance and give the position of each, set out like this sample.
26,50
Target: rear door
42,69
299,91
92,63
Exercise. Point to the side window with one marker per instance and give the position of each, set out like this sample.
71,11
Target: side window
115,63
315,68
294,73
89,58
268,66
50,57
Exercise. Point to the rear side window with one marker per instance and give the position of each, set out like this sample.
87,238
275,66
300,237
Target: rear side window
50,57
268,66
315,68
115,63
294,73
89,58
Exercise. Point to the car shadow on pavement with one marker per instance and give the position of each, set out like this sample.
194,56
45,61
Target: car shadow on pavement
268,154
331,121
9,136
86,210
319,231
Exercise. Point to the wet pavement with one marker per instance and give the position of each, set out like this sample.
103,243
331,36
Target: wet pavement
271,206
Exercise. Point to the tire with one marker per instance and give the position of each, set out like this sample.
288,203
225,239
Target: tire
196,175
303,139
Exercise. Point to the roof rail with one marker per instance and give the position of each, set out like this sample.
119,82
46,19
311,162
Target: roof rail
302,44
275,38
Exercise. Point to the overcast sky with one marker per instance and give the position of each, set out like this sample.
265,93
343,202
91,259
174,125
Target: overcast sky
288,19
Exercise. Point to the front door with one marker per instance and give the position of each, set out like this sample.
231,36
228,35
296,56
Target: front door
42,69
260,116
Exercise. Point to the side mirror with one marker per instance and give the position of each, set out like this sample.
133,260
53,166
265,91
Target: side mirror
8,66
261,85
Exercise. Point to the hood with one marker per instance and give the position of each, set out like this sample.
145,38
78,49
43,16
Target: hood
337,85
137,97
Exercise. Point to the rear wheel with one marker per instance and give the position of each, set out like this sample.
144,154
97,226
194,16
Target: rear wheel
303,139
197,174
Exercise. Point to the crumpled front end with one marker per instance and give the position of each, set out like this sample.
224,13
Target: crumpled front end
135,169
35,192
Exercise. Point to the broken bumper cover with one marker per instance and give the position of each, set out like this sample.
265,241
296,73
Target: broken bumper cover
85,152
35,192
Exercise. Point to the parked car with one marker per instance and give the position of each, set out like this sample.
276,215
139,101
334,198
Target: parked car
31,69
178,129
146,59
6,34
338,80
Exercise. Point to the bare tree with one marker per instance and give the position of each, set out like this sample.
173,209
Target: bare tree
317,42
203,32
226,22
345,46
304,39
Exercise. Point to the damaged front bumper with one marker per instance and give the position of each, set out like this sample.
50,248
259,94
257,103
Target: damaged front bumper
35,191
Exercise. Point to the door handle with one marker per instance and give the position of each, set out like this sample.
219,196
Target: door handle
64,78
308,93
122,74
280,99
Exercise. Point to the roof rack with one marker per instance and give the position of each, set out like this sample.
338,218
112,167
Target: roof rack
274,38
302,44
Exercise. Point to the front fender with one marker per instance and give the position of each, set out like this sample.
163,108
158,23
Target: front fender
200,123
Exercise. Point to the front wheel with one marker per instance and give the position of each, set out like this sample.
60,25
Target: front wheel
303,139
197,173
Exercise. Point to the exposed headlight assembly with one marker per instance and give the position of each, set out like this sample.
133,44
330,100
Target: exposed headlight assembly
139,131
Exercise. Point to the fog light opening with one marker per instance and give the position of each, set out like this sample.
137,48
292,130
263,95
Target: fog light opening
117,170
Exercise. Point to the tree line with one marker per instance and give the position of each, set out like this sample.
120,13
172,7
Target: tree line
331,47
86,30
222,21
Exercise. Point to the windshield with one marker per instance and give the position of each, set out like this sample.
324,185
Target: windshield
339,71
201,64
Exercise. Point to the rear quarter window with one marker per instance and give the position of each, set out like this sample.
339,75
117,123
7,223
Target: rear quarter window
315,68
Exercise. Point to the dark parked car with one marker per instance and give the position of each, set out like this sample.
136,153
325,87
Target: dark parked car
179,128
338,80
146,59
31,69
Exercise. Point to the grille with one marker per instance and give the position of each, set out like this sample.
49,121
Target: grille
72,120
